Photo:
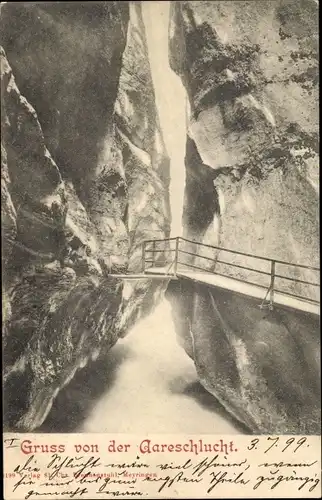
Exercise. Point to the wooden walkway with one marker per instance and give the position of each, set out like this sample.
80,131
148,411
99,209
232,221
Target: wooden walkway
228,283
225,283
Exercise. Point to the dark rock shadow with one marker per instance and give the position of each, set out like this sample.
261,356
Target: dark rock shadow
197,392
75,401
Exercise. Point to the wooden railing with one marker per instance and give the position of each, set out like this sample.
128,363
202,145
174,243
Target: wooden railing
171,256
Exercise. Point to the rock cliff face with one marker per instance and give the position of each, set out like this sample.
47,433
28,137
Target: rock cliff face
84,181
250,72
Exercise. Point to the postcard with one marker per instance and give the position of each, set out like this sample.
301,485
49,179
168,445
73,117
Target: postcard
160,249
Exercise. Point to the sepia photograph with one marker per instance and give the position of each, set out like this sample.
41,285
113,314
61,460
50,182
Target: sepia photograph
160,219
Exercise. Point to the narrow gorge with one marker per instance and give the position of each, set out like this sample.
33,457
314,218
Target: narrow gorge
131,121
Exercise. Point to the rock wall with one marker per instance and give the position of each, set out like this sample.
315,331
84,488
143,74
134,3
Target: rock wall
262,366
250,72
82,160
254,123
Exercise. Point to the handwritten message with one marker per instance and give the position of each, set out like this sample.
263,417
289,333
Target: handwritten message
82,466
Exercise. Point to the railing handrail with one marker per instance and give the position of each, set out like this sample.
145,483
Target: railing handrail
255,284
163,239
271,288
267,259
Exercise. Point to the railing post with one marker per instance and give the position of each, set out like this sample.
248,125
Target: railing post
153,253
143,257
176,256
271,287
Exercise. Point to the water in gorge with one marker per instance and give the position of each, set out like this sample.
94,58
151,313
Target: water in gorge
146,382
156,388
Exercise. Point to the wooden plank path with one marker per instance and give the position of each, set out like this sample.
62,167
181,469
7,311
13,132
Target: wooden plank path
225,283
